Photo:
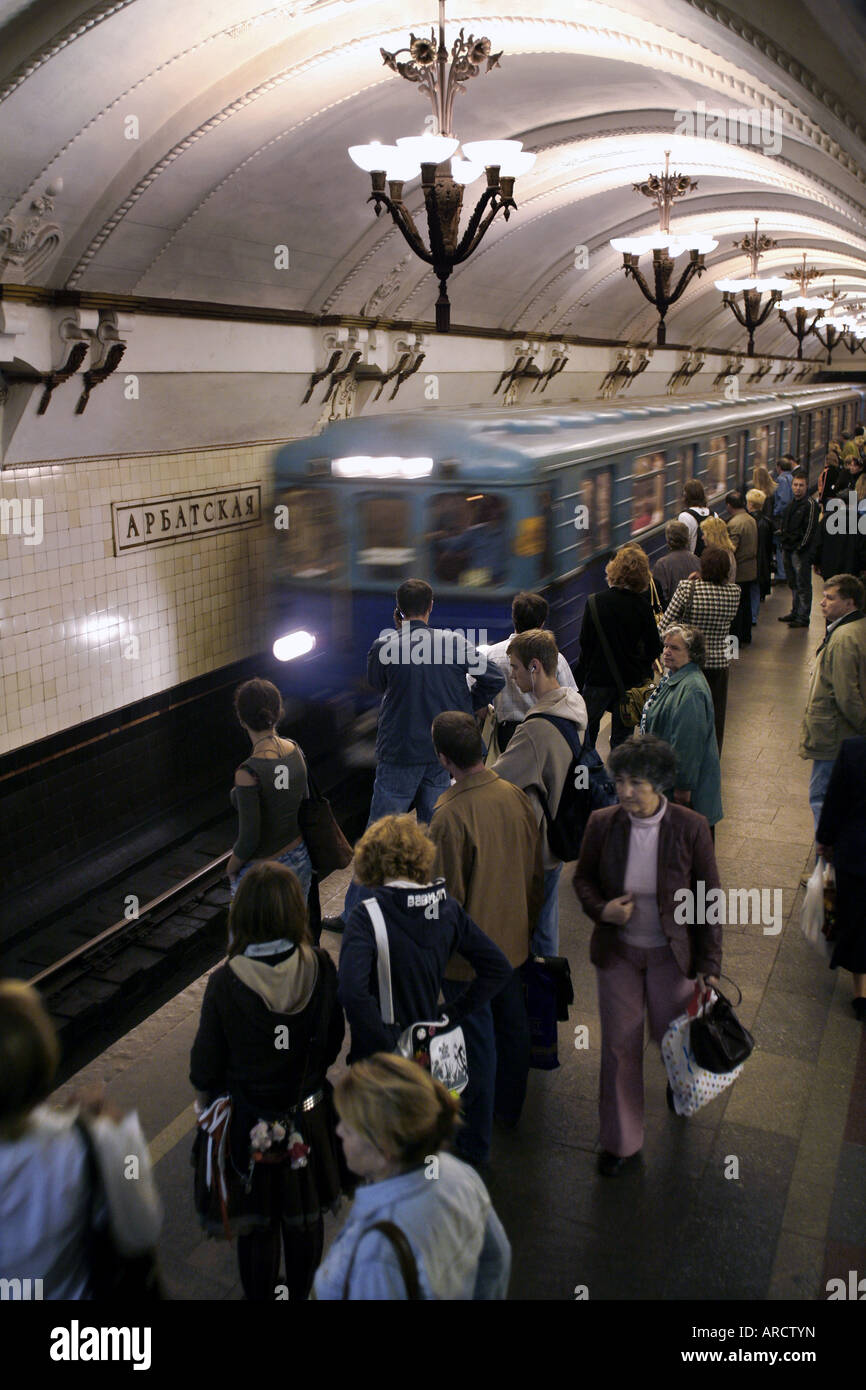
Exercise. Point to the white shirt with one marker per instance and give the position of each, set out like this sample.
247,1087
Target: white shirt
688,520
644,928
511,705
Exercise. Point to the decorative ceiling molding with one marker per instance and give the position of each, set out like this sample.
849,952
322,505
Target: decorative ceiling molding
782,59
80,26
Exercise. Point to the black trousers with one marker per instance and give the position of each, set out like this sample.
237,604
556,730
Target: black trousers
259,1260
718,682
741,627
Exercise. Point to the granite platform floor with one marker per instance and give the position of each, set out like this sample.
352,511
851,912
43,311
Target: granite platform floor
762,1195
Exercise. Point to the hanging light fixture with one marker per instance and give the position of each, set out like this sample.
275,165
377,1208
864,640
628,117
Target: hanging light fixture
834,322
802,304
442,183
753,312
664,189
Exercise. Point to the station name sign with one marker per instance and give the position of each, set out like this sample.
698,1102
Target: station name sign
185,517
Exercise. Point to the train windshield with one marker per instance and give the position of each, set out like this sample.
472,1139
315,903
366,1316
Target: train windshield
311,544
385,550
467,538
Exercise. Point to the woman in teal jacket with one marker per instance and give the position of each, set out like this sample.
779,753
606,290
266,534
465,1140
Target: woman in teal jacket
680,710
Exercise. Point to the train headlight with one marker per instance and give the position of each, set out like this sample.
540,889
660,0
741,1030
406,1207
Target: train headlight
293,645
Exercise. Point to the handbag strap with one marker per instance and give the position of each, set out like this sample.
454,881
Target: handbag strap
405,1259
383,960
655,601
605,646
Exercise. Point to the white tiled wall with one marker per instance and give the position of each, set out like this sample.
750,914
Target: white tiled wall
69,606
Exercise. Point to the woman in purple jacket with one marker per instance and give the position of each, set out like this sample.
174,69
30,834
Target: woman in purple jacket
635,860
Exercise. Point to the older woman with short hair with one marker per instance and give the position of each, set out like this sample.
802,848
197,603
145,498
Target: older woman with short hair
709,602
680,711
425,926
635,860
626,619
423,1226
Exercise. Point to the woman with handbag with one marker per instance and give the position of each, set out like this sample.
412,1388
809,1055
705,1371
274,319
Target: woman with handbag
422,1226
619,641
680,711
424,927
635,860
270,1027
270,786
709,601
68,1217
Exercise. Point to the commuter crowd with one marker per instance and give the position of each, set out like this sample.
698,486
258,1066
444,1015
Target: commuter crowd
478,801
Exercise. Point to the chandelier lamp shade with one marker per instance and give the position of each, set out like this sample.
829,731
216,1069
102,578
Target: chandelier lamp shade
753,311
834,322
803,305
666,247
444,173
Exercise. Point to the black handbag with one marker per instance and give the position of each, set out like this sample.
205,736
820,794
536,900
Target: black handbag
327,846
549,993
718,1039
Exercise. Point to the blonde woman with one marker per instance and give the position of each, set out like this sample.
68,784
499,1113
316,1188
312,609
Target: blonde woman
425,926
423,1226
715,532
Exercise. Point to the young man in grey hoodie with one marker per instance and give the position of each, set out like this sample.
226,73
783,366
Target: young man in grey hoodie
538,758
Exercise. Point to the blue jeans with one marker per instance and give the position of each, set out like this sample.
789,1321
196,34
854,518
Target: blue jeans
497,1055
396,786
780,560
800,578
818,784
545,938
756,600
297,859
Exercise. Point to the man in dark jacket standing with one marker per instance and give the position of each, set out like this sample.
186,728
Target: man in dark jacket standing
798,533
841,546
421,671
743,531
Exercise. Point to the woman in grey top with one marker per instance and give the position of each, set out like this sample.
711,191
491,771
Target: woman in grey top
269,788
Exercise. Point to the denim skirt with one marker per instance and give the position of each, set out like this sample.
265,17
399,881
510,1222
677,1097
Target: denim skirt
297,859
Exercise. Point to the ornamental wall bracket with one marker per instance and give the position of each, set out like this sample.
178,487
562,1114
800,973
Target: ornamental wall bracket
691,364
108,346
408,357
784,373
558,355
805,371
349,351
27,242
522,369
732,367
630,362
764,366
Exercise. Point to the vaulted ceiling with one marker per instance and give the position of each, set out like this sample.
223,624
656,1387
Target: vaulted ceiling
193,139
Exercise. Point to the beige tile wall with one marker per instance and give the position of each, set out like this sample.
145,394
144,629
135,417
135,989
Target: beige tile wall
69,606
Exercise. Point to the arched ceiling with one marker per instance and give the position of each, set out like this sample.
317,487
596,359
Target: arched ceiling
192,140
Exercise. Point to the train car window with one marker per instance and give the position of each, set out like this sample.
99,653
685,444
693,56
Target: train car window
385,551
784,437
717,465
312,545
467,538
648,492
592,514
835,421
683,465
761,446
819,437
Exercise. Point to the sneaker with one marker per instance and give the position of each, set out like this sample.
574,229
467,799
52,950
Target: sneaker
788,618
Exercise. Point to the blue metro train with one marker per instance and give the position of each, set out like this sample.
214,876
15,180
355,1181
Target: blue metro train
483,503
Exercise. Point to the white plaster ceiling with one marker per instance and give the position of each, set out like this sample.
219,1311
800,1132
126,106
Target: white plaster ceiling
245,110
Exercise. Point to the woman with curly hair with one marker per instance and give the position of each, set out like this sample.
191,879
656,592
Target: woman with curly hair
626,619
425,926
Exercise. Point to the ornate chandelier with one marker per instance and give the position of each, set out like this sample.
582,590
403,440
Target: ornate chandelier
664,189
835,321
443,174
753,312
802,304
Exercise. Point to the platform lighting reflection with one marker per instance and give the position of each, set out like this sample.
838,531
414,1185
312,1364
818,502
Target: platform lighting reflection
293,645
365,467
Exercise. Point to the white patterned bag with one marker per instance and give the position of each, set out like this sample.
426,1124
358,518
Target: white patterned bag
692,1086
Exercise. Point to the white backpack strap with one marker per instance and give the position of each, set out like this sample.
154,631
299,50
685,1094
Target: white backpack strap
383,963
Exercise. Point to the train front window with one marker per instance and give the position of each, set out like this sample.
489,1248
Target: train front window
467,538
592,515
310,545
385,550
648,492
717,465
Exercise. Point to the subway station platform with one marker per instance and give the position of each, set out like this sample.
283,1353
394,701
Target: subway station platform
680,1225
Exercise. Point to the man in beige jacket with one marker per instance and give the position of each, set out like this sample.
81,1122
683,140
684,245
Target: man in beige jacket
836,707
538,758
489,852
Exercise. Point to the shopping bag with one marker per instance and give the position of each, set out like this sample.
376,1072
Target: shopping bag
812,917
692,1086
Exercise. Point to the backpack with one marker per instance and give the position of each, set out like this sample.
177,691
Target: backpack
700,543
587,788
